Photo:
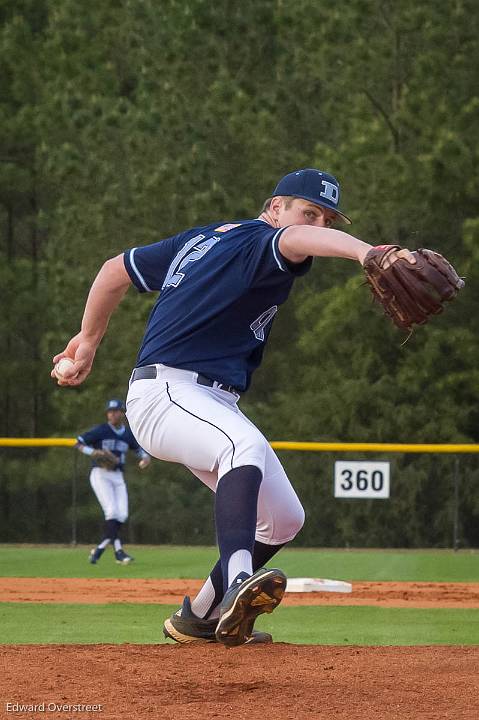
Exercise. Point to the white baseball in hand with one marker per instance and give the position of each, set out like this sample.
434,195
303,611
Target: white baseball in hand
61,366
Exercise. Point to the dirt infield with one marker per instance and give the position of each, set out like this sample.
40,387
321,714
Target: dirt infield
89,590
280,681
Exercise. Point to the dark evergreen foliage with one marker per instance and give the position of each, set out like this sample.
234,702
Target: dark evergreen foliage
124,122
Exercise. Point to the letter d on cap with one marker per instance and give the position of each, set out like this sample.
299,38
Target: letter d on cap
330,192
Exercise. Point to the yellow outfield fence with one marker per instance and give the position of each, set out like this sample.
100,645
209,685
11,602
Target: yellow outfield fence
376,447
37,442
290,445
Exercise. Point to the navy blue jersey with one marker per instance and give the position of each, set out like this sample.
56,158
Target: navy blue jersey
220,287
117,440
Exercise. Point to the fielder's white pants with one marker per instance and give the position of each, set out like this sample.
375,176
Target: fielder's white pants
174,418
110,489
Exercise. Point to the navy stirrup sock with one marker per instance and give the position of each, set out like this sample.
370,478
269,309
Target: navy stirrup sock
262,553
236,513
111,529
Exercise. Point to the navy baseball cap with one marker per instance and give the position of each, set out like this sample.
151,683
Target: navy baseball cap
318,187
115,405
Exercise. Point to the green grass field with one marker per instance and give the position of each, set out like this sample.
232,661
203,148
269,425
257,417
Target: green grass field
135,623
196,562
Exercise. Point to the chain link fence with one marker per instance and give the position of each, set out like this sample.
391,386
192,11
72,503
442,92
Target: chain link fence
45,497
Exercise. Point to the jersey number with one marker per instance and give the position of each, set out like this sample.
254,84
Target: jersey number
194,250
260,323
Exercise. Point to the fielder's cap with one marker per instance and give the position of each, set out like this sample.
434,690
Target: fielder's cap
115,405
318,187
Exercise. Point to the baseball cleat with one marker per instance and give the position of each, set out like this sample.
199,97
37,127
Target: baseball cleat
122,558
95,555
246,598
258,637
186,628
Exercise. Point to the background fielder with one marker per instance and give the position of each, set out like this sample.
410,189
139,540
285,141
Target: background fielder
107,445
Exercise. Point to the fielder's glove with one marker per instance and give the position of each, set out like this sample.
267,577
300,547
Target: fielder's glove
411,293
105,459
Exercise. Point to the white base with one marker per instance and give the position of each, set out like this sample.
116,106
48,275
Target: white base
317,585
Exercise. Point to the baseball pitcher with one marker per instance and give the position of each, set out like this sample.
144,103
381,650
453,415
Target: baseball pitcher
219,289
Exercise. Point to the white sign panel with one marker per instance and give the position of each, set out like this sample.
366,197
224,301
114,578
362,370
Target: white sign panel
354,479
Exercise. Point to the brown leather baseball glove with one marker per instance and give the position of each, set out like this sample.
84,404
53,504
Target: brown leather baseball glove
105,459
411,293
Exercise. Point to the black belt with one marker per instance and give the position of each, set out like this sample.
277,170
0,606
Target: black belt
149,372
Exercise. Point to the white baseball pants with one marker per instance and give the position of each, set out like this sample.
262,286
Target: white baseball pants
110,489
174,418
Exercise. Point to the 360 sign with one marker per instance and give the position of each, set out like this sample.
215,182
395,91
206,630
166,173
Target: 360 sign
355,479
